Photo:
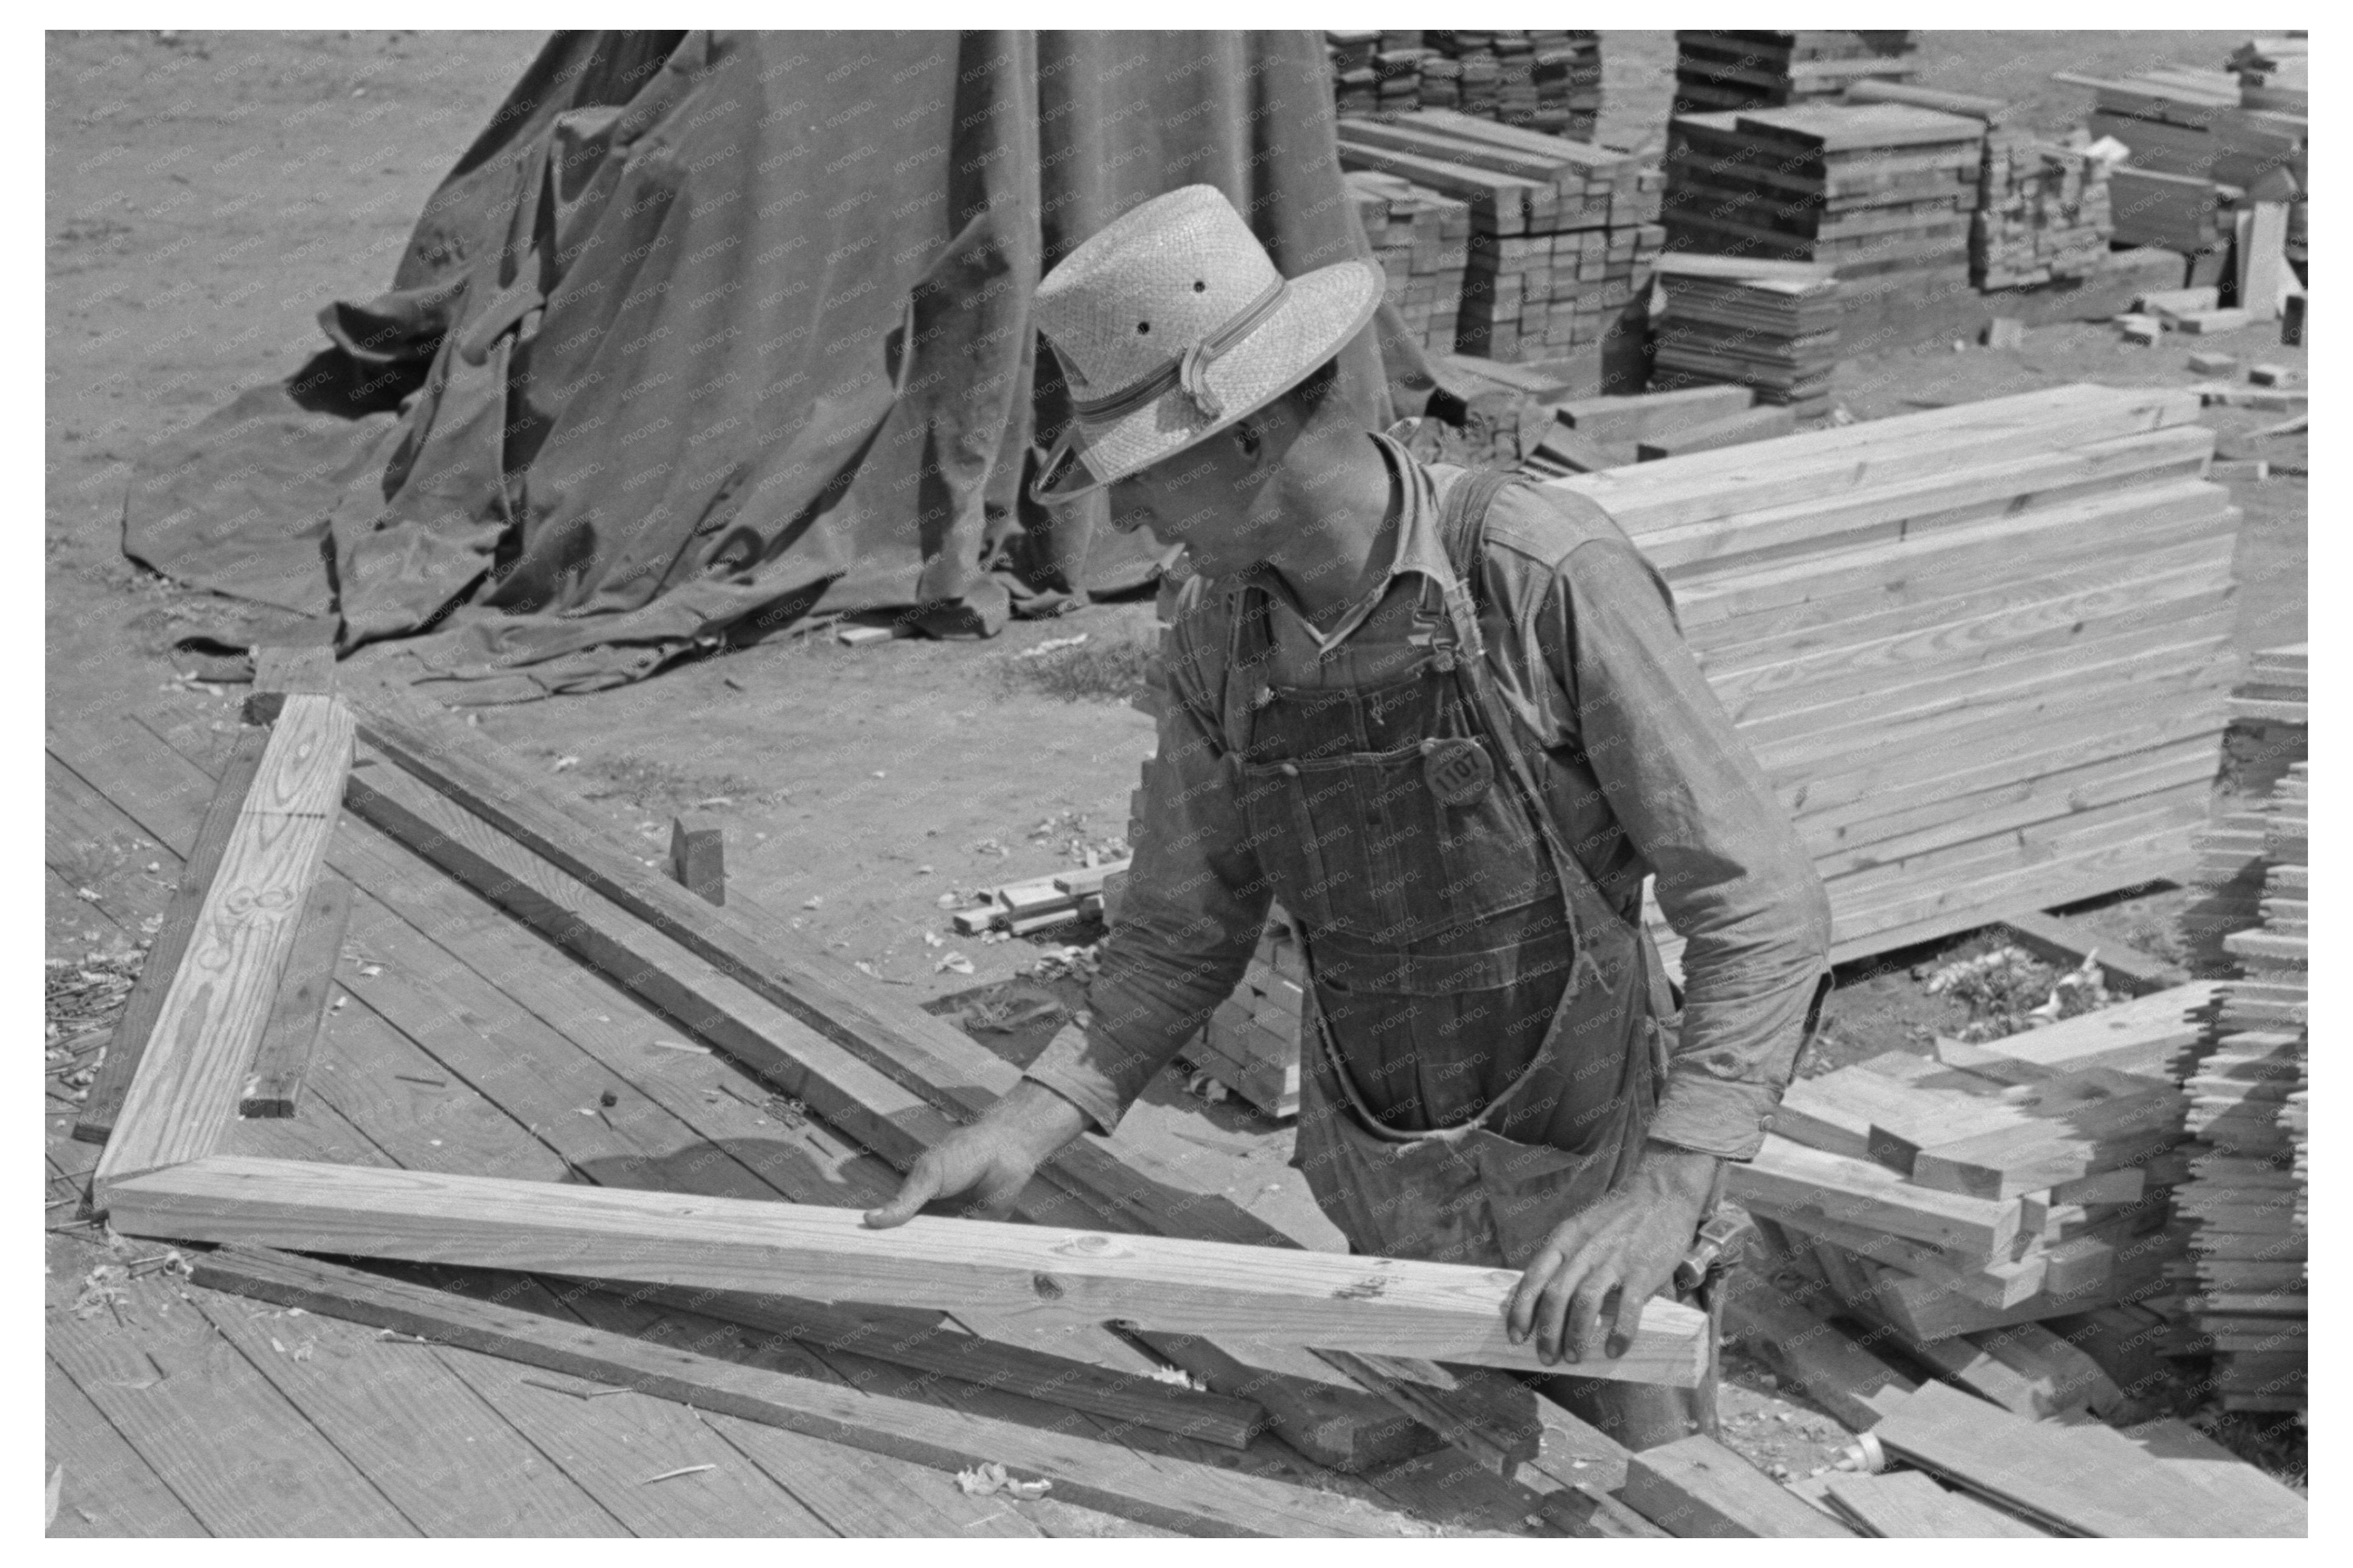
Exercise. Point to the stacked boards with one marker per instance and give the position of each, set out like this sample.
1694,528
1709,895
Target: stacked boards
1422,240
2201,141
2244,1208
2268,735
2043,210
2042,205
1251,1043
2005,1185
1717,70
1547,80
1884,193
1978,651
1562,234
1772,326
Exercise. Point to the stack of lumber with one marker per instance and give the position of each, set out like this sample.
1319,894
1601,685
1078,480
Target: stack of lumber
1977,650
1547,80
2209,128
2042,205
1883,192
1043,902
1998,1185
1422,240
2042,210
1589,434
1562,234
2268,736
2245,1207
1251,1042
1771,326
1716,70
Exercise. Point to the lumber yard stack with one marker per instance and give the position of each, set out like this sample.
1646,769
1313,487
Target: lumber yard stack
1544,80
1883,192
1718,70
2268,735
1562,234
2043,204
1770,325
2243,1209
1422,240
1252,1042
2003,1184
2202,141
1978,650
2042,210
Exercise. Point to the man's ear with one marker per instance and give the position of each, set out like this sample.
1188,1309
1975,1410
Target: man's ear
1248,438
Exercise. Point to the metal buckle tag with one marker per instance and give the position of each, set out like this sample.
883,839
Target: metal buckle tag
1458,771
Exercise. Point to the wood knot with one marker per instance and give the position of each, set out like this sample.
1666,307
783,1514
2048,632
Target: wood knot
1048,1288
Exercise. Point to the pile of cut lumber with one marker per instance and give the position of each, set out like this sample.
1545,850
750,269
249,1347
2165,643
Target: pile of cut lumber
1883,192
1589,434
2042,210
1979,650
2268,736
1562,234
1422,240
2000,1184
2210,128
1772,326
1547,80
2245,1207
1251,1043
1716,70
2172,211
1043,902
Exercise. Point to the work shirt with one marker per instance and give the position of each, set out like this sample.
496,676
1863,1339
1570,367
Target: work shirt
1650,780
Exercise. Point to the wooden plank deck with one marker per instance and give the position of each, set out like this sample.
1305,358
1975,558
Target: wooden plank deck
458,1040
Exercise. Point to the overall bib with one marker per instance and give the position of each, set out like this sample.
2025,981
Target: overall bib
1405,829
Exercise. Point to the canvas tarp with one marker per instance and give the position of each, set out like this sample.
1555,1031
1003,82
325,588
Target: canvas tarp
709,331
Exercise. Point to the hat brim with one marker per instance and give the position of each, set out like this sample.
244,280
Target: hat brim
1320,313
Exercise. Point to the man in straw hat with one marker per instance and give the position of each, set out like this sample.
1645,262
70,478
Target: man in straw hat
1450,725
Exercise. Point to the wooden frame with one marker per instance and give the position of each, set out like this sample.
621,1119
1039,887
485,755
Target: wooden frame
161,1177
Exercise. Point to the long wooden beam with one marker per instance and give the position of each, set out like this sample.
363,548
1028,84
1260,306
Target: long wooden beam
225,987
128,1047
1166,1492
1387,1306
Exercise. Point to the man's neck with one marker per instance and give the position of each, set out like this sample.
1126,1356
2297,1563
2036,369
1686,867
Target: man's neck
1335,492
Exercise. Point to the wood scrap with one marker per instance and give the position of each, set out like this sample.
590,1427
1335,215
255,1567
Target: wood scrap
698,857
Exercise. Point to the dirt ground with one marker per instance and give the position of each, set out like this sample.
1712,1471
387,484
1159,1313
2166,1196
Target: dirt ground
206,194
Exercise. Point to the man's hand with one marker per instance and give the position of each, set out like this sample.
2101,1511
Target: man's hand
1627,1244
993,1158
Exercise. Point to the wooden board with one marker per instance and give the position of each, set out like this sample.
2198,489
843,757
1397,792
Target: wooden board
108,1490
1394,1307
1908,1505
283,1057
2045,1472
1836,1372
1154,1494
132,1032
222,995
1789,1176
1696,1487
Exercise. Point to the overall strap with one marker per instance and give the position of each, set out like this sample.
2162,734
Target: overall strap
1462,524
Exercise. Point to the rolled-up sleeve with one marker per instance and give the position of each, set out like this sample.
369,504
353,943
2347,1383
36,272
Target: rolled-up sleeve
1731,877
1190,918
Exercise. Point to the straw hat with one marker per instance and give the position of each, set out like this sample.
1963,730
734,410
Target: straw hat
1171,323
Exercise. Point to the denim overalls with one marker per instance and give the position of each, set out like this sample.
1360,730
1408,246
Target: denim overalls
1404,829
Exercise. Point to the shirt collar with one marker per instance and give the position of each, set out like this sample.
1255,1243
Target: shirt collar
1413,543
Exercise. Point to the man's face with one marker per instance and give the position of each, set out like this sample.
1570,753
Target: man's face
1200,499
